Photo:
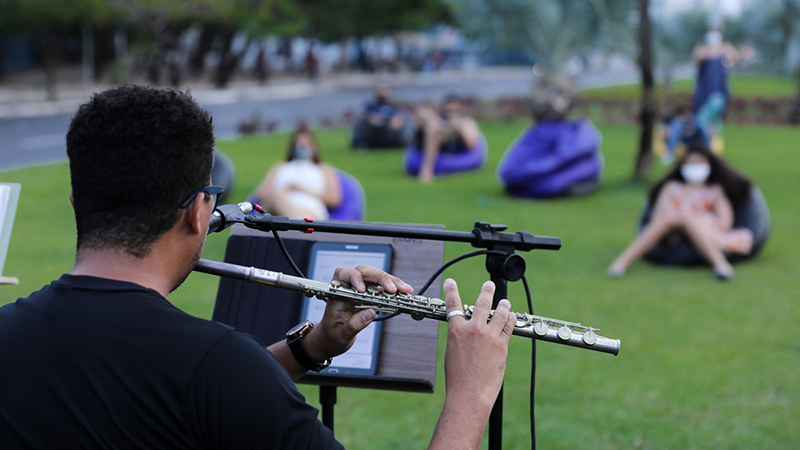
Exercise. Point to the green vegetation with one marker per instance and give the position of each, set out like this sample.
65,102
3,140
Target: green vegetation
703,364
742,86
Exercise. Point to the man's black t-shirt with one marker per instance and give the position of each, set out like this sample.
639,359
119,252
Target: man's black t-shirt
95,363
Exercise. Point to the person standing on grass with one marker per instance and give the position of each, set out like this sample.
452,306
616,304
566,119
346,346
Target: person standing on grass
101,359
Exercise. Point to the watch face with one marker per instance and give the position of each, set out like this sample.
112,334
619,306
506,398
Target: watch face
300,329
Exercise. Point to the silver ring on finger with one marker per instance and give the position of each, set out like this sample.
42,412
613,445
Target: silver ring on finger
452,314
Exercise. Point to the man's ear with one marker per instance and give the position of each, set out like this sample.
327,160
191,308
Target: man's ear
71,199
193,215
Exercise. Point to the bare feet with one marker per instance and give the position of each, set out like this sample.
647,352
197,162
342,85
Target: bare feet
425,176
615,272
724,273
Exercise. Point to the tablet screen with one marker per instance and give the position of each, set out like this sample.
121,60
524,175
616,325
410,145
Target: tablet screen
362,358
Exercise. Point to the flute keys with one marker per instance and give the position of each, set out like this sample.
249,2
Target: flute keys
540,328
590,338
564,333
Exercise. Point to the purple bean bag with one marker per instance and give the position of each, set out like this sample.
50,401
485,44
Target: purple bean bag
446,163
553,158
353,206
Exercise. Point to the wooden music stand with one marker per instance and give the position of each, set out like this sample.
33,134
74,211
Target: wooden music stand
9,198
407,357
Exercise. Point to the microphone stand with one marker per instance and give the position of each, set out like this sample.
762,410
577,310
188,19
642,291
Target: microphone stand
503,264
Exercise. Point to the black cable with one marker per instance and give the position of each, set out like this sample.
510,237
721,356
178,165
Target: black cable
286,255
439,272
533,364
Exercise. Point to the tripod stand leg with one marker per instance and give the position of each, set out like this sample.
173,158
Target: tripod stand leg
327,398
496,416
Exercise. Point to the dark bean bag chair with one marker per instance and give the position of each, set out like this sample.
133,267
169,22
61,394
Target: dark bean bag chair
448,163
753,214
553,158
222,173
367,136
353,207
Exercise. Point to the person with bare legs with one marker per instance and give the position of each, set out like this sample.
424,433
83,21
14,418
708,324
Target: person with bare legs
696,199
445,131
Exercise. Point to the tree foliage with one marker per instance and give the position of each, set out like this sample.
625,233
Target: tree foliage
30,16
774,28
333,20
553,31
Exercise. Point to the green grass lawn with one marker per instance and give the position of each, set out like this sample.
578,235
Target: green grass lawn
746,86
703,364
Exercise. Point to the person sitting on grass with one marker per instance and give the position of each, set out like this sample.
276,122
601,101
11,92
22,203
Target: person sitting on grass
446,131
383,124
695,199
301,187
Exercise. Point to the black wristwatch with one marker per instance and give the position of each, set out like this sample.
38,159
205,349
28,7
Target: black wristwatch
294,338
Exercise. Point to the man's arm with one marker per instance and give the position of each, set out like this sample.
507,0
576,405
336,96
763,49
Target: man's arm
474,365
340,323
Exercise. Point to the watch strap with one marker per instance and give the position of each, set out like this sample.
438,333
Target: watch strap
300,353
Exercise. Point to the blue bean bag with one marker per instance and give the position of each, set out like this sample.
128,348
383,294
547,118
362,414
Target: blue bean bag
222,173
753,214
553,158
352,208
448,163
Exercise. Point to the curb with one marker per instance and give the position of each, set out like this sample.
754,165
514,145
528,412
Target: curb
19,107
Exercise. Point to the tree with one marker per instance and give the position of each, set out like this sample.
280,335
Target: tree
49,21
161,23
675,38
774,27
331,20
552,31
647,112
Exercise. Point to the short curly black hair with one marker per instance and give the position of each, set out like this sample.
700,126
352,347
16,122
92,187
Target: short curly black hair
135,154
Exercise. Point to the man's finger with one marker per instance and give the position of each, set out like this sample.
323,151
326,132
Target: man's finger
484,303
367,274
360,319
501,315
389,282
350,276
451,297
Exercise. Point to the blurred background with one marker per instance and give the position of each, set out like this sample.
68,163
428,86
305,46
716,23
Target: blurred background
703,364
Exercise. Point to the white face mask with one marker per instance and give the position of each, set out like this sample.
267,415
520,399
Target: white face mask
695,173
713,37
303,152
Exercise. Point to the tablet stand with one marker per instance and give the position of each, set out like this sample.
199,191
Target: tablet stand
407,357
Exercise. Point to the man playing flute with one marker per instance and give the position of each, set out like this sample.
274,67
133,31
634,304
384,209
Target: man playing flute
100,359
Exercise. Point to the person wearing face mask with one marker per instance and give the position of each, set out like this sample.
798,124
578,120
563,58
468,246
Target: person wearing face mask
696,199
301,187
713,56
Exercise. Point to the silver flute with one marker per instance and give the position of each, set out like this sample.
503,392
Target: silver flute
418,306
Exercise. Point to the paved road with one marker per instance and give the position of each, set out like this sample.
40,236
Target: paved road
39,139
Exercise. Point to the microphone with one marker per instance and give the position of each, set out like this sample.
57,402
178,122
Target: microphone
226,215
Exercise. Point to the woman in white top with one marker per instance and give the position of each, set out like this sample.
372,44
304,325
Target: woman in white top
301,187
